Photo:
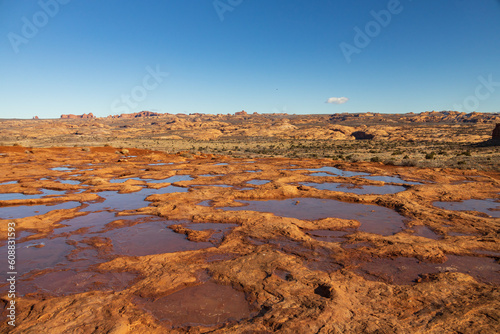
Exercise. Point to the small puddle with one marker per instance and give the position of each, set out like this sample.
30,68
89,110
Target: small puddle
211,175
258,182
45,192
74,182
221,164
253,171
373,218
63,169
390,179
172,179
491,207
212,185
8,182
22,211
205,304
403,270
356,189
332,171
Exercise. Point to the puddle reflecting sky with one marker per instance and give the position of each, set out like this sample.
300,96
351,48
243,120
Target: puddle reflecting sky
373,219
488,206
356,189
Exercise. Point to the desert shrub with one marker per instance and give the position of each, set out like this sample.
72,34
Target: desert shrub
406,157
375,159
85,149
430,156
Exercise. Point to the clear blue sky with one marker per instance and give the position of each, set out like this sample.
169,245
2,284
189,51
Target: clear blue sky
258,55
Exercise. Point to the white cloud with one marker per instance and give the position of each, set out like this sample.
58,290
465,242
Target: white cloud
337,100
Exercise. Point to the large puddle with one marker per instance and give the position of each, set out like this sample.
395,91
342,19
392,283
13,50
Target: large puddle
150,238
129,201
332,171
390,179
490,207
356,189
205,304
373,219
22,211
402,270
45,192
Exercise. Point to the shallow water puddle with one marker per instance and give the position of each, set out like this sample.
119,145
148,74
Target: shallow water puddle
8,182
71,281
487,206
45,192
403,270
150,238
205,304
63,169
22,211
258,182
356,189
390,179
332,171
30,256
172,179
92,222
373,218
74,182
129,201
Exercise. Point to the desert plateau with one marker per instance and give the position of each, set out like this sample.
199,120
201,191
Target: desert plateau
251,223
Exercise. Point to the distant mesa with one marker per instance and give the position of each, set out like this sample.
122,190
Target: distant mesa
139,114
35,117
71,116
241,113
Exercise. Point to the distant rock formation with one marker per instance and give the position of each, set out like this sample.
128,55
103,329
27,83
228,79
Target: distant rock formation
71,116
240,113
496,133
139,114
35,117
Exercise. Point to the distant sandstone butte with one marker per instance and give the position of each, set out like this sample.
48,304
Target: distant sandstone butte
496,132
138,114
71,116
240,113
